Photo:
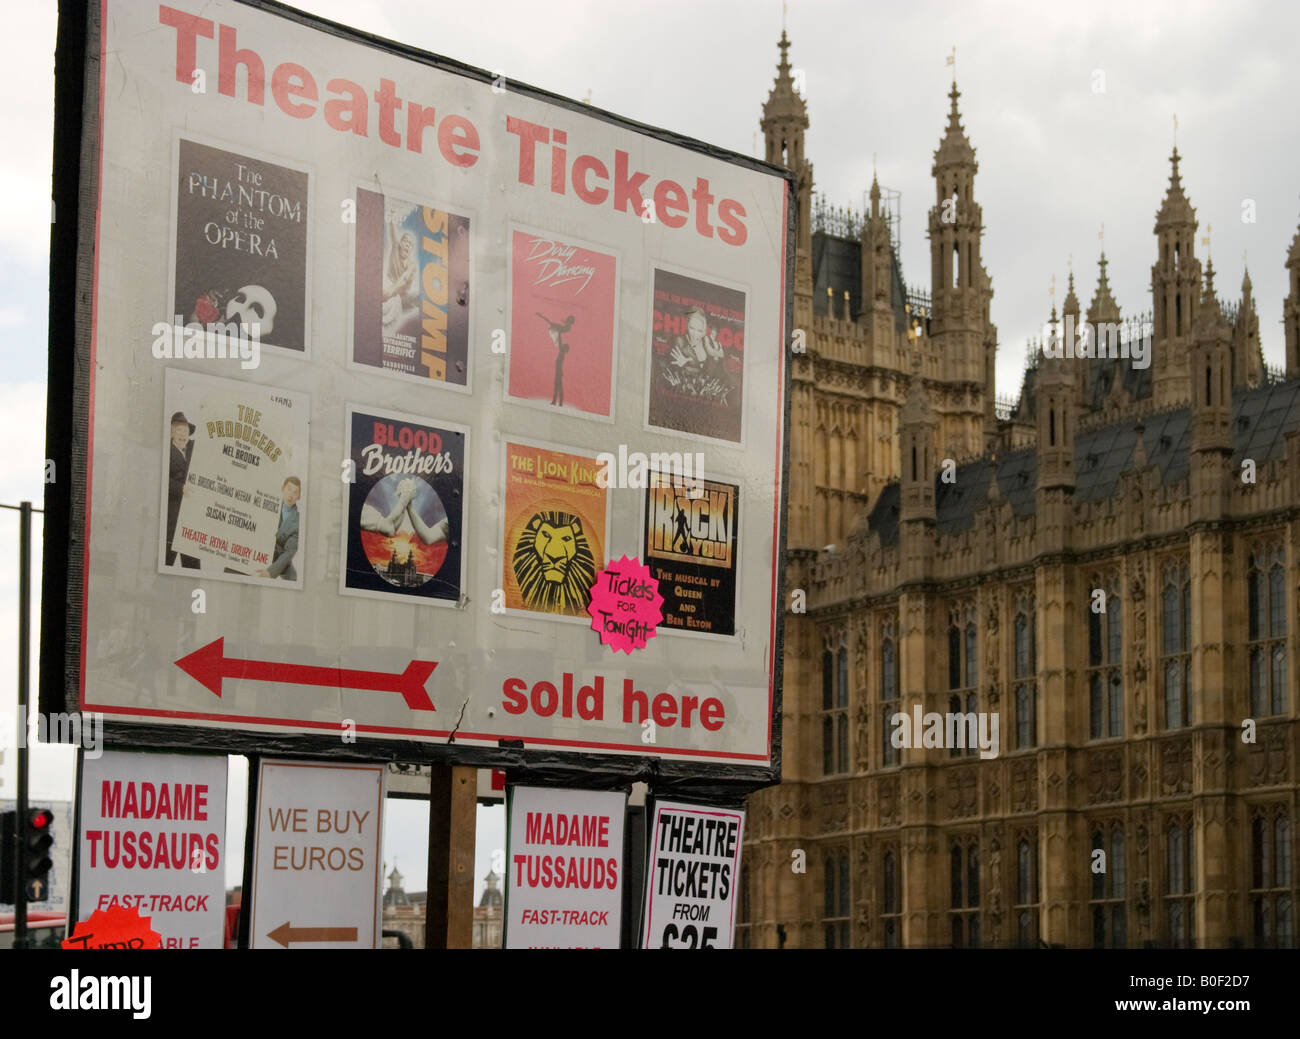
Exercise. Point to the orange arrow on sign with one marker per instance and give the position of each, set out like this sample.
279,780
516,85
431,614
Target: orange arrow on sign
286,933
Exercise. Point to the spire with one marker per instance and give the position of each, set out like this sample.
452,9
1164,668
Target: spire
1103,306
1245,282
784,99
955,148
1071,304
1176,208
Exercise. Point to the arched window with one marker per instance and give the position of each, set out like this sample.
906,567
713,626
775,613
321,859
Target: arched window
1272,897
1105,672
888,695
835,714
964,892
1026,690
1180,885
1266,631
1026,907
1109,924
1176,660
891,905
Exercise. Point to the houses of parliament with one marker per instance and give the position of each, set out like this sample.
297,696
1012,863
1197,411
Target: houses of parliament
1110,566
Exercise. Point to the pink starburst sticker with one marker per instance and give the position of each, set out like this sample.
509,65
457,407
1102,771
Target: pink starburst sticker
626,607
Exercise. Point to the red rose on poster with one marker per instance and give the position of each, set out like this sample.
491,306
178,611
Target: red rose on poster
205,309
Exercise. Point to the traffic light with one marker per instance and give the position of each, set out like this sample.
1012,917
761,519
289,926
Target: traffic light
8,821
37,836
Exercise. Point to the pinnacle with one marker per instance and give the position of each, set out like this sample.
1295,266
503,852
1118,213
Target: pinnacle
955,148
1176,208
1103,306
784,100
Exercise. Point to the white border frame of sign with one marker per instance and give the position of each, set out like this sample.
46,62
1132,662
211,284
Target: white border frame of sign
73,237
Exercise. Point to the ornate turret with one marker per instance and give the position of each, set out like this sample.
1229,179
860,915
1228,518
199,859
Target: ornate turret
960,287
1210,360
785,118
1175,284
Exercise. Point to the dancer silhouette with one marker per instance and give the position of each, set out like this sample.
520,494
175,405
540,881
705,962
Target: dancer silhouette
557,331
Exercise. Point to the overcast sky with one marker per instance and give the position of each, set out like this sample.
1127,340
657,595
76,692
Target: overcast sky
1057,156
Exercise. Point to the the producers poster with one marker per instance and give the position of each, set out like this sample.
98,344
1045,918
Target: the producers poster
562,321
241,243
564,877
555,516
693,876
234,493
411,302
690,547
697,357
405,508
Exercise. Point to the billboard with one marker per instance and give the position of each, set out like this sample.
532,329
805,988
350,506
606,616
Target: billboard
377,361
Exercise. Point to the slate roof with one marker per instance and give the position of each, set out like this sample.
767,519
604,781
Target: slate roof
1260,419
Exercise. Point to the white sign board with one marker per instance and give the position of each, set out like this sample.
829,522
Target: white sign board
564,874
693,876
465,293
317,861
153,838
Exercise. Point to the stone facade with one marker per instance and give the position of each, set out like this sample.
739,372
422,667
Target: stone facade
1111,568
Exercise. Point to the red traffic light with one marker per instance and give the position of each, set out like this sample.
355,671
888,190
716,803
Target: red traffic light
39,820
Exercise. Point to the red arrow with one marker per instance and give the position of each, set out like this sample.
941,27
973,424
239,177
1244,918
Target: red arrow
286,933
209,665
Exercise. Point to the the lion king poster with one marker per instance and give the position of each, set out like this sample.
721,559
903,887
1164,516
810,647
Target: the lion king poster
554,538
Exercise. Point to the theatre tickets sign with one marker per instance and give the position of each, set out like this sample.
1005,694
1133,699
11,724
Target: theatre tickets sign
358,331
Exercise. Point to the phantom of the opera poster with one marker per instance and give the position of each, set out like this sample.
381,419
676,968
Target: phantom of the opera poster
242,244
234,487
405,508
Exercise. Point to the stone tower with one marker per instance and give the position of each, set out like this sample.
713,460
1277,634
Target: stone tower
960,287
1175,288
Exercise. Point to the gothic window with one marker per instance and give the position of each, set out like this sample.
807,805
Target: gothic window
836,898
1266,621
891,902
1026,692
963,675
1272,894
1109,874
1105,675
888,694
835,712
964,896
1180,884
1025,909
1176,659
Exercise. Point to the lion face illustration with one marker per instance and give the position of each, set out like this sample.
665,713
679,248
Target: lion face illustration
553,564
